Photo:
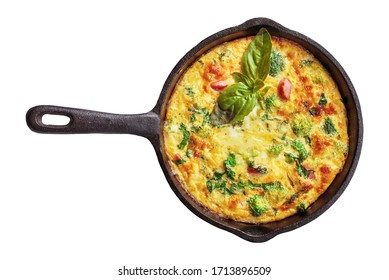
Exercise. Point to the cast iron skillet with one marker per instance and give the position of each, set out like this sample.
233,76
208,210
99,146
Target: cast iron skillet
150,125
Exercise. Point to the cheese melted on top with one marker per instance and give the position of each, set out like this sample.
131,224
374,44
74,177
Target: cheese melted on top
265,145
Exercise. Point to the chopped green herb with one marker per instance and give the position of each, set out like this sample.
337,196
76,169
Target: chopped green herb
329,126
265,117
323,100
216,182
306,62
193,118
230,162
206,116
179,161
185,138
258,205
217,175
236,187
266,186
202,111
217,185
301,208
270,102
302,171
224,54
291,157
189,153
210,186
308,140
196,128
259,169
189,91
313,111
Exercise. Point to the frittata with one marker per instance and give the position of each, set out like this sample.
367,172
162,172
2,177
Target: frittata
277,158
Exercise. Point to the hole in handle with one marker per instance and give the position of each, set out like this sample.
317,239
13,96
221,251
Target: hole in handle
49,119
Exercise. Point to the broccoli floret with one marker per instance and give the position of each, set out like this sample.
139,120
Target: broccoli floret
341,147
277,63
300,148
302,126
258,205
276,149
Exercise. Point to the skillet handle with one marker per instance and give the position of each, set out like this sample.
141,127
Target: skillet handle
86,121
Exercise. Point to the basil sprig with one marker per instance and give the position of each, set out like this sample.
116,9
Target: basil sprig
239,99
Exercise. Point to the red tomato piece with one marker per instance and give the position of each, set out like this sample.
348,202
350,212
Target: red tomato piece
284,89
219,85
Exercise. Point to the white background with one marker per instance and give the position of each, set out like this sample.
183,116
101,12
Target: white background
82,206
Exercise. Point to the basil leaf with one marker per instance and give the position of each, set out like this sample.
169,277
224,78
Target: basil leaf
256,59
220,117
258,84
241,78
232,95
237,98
246,106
